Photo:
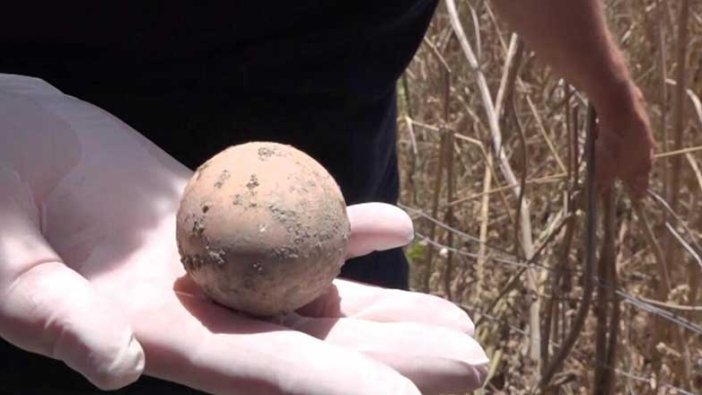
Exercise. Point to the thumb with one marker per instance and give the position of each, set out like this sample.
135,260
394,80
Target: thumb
377,227
49,309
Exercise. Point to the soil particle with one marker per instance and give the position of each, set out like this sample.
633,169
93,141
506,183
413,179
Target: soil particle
223,177
237,201
253,182
217,256
198,226
265,153
192,262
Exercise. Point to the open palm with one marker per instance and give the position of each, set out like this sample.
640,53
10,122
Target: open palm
90,274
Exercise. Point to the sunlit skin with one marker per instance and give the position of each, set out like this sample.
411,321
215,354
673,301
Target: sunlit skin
90,275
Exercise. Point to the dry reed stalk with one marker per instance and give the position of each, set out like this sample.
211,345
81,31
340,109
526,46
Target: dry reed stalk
678,119
663,92
444,146
550,325
678,152
685,371
695,274
484,221
606,327
412,172
551,308
544,134
588,263
496,134
696,103
500,189
553,178
672,256
429,255
614,318
509,73
450,220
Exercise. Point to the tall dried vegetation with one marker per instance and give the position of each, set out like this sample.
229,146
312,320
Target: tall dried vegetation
572,292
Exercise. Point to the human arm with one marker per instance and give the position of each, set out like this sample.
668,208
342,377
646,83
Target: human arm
573,38
90,275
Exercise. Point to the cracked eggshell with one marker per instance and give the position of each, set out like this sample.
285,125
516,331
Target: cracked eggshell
262,228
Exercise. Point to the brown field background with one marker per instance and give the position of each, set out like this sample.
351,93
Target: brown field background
516,258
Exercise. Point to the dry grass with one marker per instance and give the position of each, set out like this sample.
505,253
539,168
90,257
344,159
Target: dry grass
503,233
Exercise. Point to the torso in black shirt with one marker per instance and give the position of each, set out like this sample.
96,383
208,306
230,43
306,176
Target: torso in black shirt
196,77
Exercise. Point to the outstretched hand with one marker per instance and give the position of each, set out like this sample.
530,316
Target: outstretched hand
90,275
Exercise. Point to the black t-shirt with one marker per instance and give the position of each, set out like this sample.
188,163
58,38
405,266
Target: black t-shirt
196,77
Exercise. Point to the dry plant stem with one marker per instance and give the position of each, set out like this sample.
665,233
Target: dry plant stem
663,91
450,186
513,282
484,221
588,264
550,325
605,328
672,255
663,291
663,278
509,73
500,189
613,337
522,187
576,146
696,103
506,168
678,152
407,96
544,134
671,306
676,217
696,273
413,159
551,308
663,271
554,178
679,101
443,147
429,255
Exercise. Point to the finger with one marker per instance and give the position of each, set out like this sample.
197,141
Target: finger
354,300
436,359
217,351
638,182
605,166
638,187
377,227
51,310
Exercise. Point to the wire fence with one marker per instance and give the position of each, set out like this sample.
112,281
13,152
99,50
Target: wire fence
505,257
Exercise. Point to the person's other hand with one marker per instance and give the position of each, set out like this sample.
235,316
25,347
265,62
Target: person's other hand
90,275
625,144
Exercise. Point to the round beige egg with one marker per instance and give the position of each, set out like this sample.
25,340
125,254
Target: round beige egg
262,228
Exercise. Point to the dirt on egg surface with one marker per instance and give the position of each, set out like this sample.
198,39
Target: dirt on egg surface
262,228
